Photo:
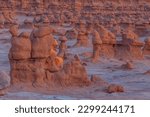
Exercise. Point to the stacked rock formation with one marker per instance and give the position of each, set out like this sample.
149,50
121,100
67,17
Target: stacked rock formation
82,39
34,61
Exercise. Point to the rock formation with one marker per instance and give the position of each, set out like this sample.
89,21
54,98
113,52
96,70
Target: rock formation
62,47
21,45
82,39
113,88
130,47
39,66
42,40
108,39
97,44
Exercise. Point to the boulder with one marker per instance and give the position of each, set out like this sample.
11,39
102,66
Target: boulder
113,88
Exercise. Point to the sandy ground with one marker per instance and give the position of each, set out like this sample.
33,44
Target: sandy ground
136,83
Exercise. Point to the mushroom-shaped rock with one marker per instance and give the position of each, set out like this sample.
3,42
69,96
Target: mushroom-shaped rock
82,39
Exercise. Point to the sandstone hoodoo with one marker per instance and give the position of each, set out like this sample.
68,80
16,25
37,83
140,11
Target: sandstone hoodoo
21,45
108,40
97,44
82,39
41,66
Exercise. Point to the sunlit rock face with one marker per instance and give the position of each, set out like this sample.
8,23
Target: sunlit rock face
34,61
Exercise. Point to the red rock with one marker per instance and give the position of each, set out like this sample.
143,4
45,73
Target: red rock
113,88
130,47
41,42
97,43
21,45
